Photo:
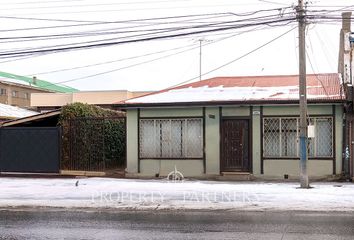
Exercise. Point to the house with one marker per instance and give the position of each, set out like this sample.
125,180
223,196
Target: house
16,90
236,125
8,112
51,101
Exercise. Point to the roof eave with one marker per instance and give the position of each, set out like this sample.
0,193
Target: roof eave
218,103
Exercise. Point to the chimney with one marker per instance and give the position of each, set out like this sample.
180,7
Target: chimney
344,47
34,80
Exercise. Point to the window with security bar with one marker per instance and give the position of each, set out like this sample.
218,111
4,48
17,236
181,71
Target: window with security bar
171,138
280,137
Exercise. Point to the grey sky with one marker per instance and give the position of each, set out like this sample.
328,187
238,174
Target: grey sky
162,67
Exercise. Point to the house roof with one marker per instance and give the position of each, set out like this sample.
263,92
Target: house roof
30,118
249,89
45,85
9,112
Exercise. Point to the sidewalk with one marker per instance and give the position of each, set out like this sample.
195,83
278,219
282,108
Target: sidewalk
164,195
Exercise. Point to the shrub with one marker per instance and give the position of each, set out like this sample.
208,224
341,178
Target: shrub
95,136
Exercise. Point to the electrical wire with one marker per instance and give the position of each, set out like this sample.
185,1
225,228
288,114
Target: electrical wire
149,38
144,55
234,60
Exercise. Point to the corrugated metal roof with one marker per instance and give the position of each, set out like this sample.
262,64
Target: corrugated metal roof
249,88
8,111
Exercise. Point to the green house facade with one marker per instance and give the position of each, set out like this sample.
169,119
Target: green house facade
236,125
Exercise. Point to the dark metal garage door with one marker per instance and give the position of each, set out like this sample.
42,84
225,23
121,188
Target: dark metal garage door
30,149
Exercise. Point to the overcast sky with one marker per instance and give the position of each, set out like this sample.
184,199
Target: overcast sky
157,64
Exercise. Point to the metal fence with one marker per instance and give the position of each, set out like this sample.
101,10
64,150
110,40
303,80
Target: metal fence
29,149
94,144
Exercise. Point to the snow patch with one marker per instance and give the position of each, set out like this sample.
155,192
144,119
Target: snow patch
161,194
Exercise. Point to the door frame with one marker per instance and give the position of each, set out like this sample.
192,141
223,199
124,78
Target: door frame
250,154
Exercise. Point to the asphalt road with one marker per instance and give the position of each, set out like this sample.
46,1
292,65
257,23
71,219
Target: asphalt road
45,224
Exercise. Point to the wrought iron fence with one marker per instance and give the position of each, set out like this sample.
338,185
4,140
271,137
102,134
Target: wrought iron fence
93,144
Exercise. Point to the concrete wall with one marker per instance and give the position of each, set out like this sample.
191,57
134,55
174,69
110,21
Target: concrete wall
189,168
278,168
89,97
271,167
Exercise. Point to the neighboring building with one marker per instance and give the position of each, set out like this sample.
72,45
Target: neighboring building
51,101
236,125
8,112
345,68
16,90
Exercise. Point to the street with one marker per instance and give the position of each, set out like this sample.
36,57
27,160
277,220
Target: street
71,224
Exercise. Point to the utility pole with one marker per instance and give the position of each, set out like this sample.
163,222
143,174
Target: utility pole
200,59
301,16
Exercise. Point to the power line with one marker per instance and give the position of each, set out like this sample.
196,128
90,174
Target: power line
234,60
103,22
25,56
36,2
64,1
108,62
141,21
149,38
125,67
89,5
131,9
148,61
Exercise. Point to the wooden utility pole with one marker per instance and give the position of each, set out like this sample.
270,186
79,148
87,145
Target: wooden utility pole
301,16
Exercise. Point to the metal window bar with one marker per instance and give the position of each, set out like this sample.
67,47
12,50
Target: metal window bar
324,142
280,133
315,140
185,149
173,138
297,137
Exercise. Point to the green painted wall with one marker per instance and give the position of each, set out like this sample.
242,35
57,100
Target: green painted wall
132,141
236,111
150,167
294,110
171,112
277,168
189,168
316,167
212,141
256,140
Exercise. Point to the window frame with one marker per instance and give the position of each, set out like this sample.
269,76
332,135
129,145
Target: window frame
26,95
202,157
263,156
15,94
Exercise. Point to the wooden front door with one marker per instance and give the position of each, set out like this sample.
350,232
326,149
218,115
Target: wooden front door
234,145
